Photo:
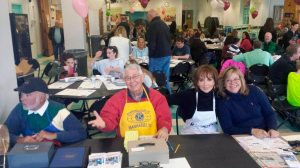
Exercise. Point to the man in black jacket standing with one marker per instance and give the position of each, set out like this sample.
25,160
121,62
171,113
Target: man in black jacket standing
56,35
159,44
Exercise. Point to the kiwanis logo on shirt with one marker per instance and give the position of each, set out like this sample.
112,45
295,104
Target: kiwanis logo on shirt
139,118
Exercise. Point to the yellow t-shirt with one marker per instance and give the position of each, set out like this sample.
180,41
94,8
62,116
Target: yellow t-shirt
293,89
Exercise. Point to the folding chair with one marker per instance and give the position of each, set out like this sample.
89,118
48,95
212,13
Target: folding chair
257,73
180,74
281,105
52,71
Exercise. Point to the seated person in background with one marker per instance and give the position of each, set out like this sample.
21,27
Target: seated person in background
137,108
38,119
199,51
269,45
293,86
244,109
280,70
198,105
181,50
232,42
140,52
256,56
69,66
245,45
113,65
291,37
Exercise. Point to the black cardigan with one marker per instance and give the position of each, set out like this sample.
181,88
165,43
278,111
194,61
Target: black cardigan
186,100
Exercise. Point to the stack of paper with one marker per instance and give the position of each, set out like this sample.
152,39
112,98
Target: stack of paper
75,92
130,136
110,86
88,84
60,85
105,160
269,152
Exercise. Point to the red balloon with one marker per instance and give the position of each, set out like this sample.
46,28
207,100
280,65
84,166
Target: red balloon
297,2
144,3
226,5
254,14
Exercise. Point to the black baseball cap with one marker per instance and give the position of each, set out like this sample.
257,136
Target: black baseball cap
32,85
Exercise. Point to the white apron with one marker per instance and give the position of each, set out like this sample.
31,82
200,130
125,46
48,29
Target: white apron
202,122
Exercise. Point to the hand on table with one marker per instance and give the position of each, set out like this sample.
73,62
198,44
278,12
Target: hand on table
162,134
273,133
27,139
174,57
98,122
259,133
45,135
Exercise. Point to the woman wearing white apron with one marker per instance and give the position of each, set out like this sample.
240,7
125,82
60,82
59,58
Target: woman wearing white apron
198,105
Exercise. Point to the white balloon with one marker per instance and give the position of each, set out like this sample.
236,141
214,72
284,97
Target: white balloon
217,4
96,4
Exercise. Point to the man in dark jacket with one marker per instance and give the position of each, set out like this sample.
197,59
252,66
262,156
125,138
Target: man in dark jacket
159,44
291,37
56,35
280,70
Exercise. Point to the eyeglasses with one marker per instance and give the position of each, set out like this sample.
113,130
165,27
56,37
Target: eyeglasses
129,78
232,80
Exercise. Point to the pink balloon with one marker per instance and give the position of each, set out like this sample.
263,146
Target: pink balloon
81,8
132,1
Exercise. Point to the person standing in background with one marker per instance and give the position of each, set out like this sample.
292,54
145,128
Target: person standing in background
267,27
56,35
159,44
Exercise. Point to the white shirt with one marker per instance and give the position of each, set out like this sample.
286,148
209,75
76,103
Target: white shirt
41,110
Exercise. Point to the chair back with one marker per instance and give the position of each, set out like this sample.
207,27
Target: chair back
35,65
52,70
182,69
257,73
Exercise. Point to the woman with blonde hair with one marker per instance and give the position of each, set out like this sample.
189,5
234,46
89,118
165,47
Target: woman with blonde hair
122,42
244,109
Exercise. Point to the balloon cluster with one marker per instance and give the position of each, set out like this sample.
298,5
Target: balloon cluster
81,6
220,4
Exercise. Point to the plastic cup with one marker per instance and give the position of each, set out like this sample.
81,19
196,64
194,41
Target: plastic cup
67,79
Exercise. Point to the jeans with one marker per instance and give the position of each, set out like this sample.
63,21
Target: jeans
58,49
161,64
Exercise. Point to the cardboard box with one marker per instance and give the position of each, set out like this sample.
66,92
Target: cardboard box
31,155
149,150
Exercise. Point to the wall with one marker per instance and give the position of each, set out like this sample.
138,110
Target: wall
154,4
74,27
8,98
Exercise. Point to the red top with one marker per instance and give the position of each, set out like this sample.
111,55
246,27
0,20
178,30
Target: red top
112,111
246,45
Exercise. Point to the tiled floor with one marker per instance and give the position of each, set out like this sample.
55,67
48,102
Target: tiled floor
44,60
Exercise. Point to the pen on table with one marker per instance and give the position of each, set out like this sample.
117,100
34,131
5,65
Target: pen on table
177,147
170,146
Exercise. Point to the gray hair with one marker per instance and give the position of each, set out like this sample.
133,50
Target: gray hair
134,66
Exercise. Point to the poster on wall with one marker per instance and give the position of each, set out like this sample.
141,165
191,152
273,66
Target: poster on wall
115,14
167,14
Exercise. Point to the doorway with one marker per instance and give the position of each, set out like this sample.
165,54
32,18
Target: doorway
187,18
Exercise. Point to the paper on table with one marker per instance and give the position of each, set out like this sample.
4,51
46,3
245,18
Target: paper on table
88,84
177,163
59,85
291,137
75,92
110,86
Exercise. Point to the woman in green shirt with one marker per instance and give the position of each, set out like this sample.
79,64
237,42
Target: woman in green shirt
293,86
